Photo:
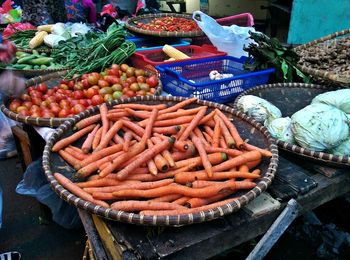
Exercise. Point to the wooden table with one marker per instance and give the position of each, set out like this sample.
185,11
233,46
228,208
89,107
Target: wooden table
113,240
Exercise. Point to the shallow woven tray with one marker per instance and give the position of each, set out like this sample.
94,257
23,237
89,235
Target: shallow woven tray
289,98
339,79
50,80
131,25
248,128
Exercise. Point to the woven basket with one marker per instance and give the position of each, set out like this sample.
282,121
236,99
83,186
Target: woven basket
289,98
34,73
248,128
50,80
339,79
131,25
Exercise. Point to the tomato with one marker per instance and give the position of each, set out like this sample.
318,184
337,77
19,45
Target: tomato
135,87
78,86
44,103
96,87
74,102
14,105
115,66
114,72
64,103
103,83
126,84
24,112
35,114
21,108
90,92
84,76
51,99
84,102
27,104
47,114
144,86
139,72
152,90
96,100
124,67
59,97
152,81
112,79
141,92
131,79
30,89
130,71
106,90
141,79
117,94
36,93
78,94
130,93
63,81
55,109
50,92
108,97
92,80
78,108
25,97
42,87
63,113
117,87
36,101
71,84
34,108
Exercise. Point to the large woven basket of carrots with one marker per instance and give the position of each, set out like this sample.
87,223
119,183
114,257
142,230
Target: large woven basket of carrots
159,160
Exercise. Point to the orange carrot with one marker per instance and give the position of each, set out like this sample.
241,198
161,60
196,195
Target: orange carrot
208,138
159,160
105,122
174,121
253,164
118,139
216,134
109,135
264,152
167,130
187,177
182,130
96,139
230,152
116,116
209,131
73,188
200,135
223,144
146,155
88,141
177,106
104,182
181,201
148,130
199,202
72,138
233,130
138,114
167,198
152,167
134,135
183,190
203,155
213,158
87,121
225,132
140,106
130,205
202,183
103,196
68,157
134,127
208,119
193,124
177,156
71,151
238,160
166,154
127,139
78,150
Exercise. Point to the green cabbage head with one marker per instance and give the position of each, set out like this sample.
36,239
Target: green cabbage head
342,149
281,128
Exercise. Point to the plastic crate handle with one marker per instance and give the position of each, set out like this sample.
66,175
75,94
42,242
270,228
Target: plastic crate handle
171,72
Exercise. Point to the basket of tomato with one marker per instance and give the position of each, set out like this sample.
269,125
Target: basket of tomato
164,25
51,99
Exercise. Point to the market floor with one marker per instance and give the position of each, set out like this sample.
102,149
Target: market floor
21,228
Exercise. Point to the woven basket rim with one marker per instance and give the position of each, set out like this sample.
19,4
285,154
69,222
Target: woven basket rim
337,160
341,79
41,121
176,220
129,24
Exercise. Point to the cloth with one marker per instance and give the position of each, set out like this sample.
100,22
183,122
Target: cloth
80,11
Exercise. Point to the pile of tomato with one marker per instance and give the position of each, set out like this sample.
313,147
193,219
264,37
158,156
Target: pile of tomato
169,24
74,96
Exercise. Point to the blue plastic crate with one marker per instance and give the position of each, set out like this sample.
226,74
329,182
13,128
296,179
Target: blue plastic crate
191,78
143,44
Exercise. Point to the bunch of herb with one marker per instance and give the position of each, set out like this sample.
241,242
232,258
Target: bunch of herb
267,52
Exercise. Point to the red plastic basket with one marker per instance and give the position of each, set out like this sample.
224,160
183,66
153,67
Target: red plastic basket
244,19
157,57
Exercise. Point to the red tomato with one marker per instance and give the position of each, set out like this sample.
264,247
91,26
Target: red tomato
34,108
74,102
103,83
124,67
36,101
78,94
152,81
78,108
64,86
63,113
27,104
59,97
47,114
114,72
51,99
71,84
44,103
21,108
91,92
50,92
141,79
84,102
55,109
130,93
85,83
42,87
35,114
115,66
30,89
36,93
25,97
14,105
131,79
64,103
24,112
96,100
78,86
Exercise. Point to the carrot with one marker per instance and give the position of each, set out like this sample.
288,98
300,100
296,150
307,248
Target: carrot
209,131
213,158
177,106
128,185
223,144
135,205
88,141
77,149
174,121
238,160
140,106
103,196
127,139
167,130
199,202
134,135
183,190
105,182
109,135
73,188
230,152
94,166
159,160
233,130
166,154
253,164
187,177
96,139
264,152
70,159
134,127
105,122
203,155
138,114
244,168
167,198
72,138
75,154
177,156
193,124
100,154
116,116
202,183
200,135
216,134
87,121
148,130
225,132
208,138
181,201
118,139
146,155
182,130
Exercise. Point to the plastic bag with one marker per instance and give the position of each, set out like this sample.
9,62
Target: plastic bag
230,39
7,143
35,184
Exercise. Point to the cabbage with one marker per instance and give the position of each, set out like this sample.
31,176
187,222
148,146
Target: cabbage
342,149
339,98
281,128
320,127
260,109
79,28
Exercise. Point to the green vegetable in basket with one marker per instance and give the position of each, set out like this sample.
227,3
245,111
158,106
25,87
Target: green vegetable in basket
342,149
26,59
320,127
338,98
41,61
281,128
267,52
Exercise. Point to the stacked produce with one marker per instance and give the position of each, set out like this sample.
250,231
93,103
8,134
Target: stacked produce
169,24
324,125
35,60
159,160
71,97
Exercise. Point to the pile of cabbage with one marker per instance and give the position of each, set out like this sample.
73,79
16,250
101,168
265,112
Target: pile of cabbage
324,125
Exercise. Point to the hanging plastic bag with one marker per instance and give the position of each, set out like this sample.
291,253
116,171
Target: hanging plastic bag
35,184
230,39
7,143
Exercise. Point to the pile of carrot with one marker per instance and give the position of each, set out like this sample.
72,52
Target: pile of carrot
159,160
